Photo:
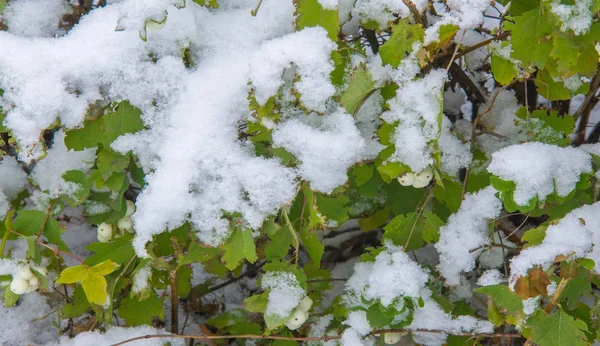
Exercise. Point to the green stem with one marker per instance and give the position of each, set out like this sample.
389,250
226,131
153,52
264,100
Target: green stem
293,232
8,227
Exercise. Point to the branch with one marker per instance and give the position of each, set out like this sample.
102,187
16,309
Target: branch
372,39
586,108
320,338
415,12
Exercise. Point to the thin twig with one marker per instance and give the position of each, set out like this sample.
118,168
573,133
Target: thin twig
420,211
474,134
320,338
174,302
415,12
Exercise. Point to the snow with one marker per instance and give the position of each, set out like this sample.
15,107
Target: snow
48,172
382,11
455,153
490,277
431,316
285,293
577,235
576,17
462,238
326,149
329,4
393,275
309,50
34,18
357,320
466,14
117,334
140,279
538,169
12,177
20,325
417,106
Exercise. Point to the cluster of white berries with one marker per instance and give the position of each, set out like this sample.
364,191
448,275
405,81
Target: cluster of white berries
300,315
125,224
392,338
24,281
418,180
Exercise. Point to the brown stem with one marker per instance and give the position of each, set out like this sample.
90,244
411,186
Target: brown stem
583,113
372,39
559,290
321,338
415,12
174,302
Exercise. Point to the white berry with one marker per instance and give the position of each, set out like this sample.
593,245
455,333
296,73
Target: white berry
125,224
18,285
34,281
425,175
420,184
297,319
104,232
24,273
305,304
391,338
130,208
407,179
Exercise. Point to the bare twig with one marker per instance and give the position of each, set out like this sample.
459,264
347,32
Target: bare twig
174,302
415,12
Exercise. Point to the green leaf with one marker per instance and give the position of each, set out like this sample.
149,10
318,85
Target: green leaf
360,88
78,305
273,321
94,286
557,329
139,312
83,184
374,221
412,229
228,318
72,275
109,161
29,222
103,268
119,250
404,34
378,319
534,236
362,173
504,70
501,184
125,119
333,209
503,297
257,303
312,245
310,13
392,170
528,34
550,89
85,137
197,254
240,245
10,298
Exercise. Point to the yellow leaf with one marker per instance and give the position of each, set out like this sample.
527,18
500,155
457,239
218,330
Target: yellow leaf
72,274
94,286
104,268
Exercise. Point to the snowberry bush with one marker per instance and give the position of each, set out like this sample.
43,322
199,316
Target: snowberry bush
329,172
